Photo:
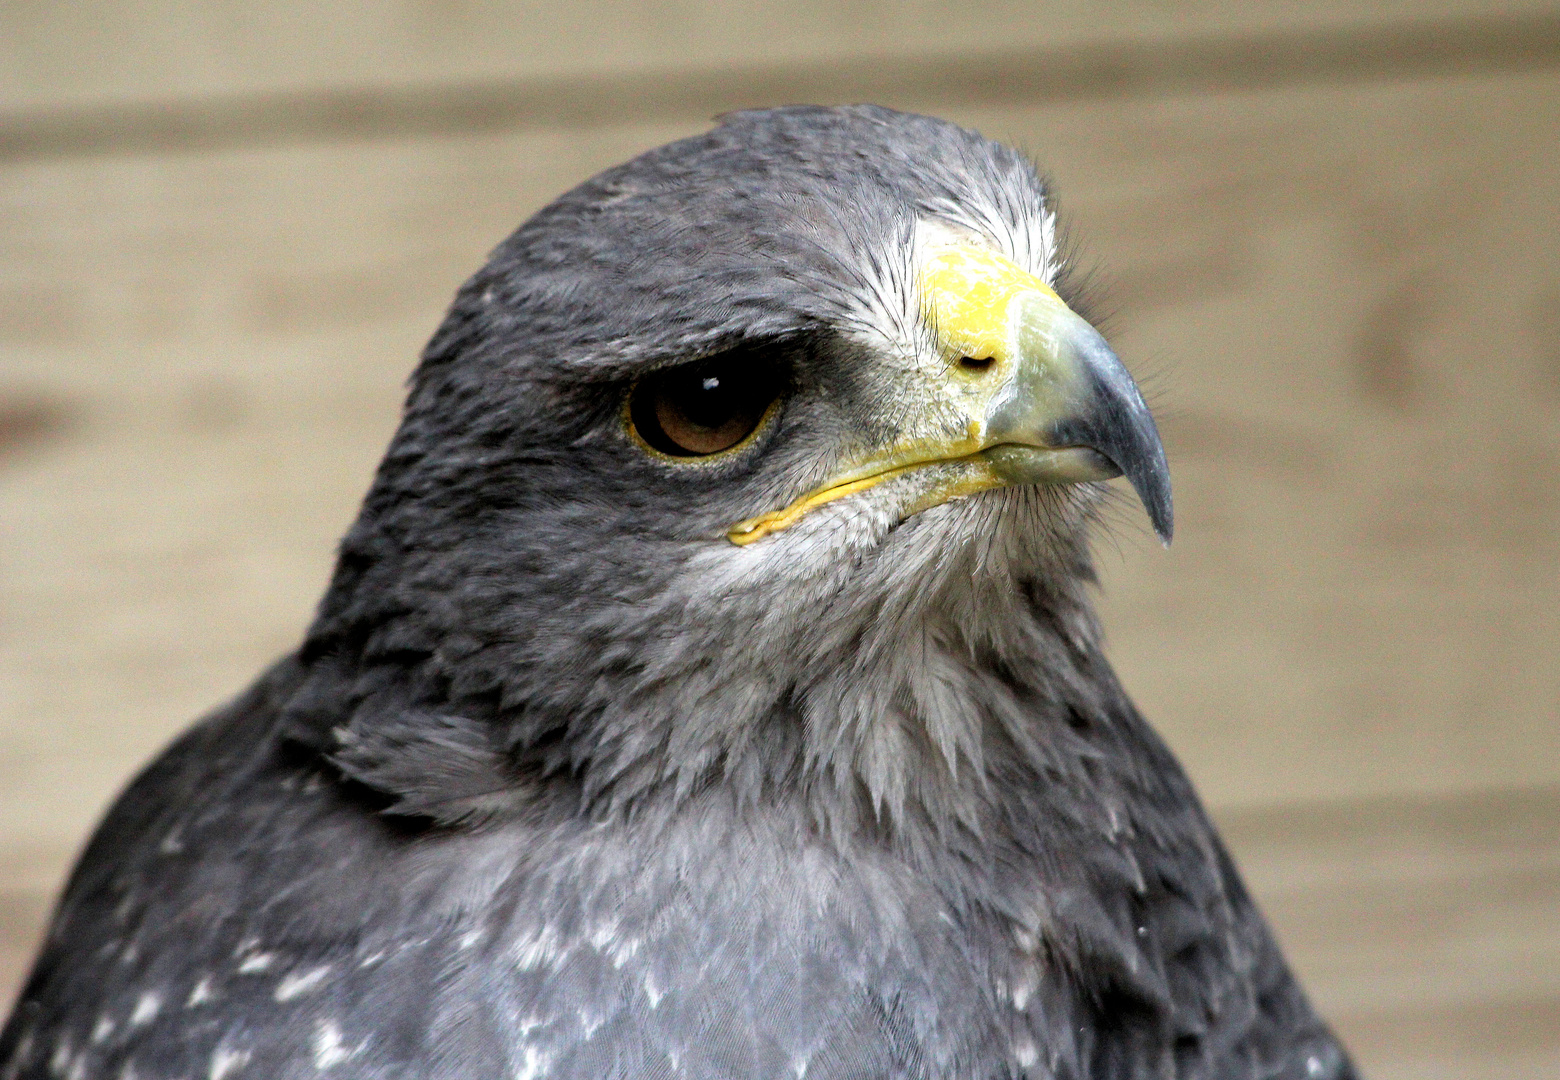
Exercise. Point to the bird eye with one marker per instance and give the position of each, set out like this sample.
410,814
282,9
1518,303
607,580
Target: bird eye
704,408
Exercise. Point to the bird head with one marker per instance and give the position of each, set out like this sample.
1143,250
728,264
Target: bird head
745,462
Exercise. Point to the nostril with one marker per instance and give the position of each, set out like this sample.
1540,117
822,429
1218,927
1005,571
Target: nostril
975,363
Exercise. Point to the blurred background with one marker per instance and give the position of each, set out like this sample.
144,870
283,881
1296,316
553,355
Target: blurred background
1327,230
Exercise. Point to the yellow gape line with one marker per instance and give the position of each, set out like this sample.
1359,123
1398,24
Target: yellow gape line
756,528
745,532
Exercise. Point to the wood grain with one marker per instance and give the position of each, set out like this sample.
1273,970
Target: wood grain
1048,70
97,52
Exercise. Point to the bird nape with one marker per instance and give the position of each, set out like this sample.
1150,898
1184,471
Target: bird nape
710,686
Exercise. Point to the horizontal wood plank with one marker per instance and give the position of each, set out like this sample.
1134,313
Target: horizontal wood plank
96,52
1119,65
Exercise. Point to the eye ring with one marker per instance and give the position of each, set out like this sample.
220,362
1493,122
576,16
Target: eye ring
702,411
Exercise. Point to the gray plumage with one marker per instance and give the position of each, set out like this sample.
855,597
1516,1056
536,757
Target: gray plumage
564,784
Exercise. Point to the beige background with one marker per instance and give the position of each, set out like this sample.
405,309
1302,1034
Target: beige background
1327,229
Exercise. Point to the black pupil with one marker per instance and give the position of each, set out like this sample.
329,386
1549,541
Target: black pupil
709,400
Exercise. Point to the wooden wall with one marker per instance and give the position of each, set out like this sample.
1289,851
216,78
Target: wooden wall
1327,229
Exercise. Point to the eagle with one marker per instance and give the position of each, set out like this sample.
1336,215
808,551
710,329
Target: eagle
710,686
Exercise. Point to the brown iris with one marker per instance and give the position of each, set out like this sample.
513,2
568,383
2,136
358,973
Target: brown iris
704,408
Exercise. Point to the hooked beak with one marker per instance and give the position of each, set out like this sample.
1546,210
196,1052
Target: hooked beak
1032,395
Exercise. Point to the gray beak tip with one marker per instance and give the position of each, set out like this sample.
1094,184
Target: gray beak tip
1164,528
1150,479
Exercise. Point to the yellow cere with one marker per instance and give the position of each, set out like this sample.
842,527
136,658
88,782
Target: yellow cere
968,294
